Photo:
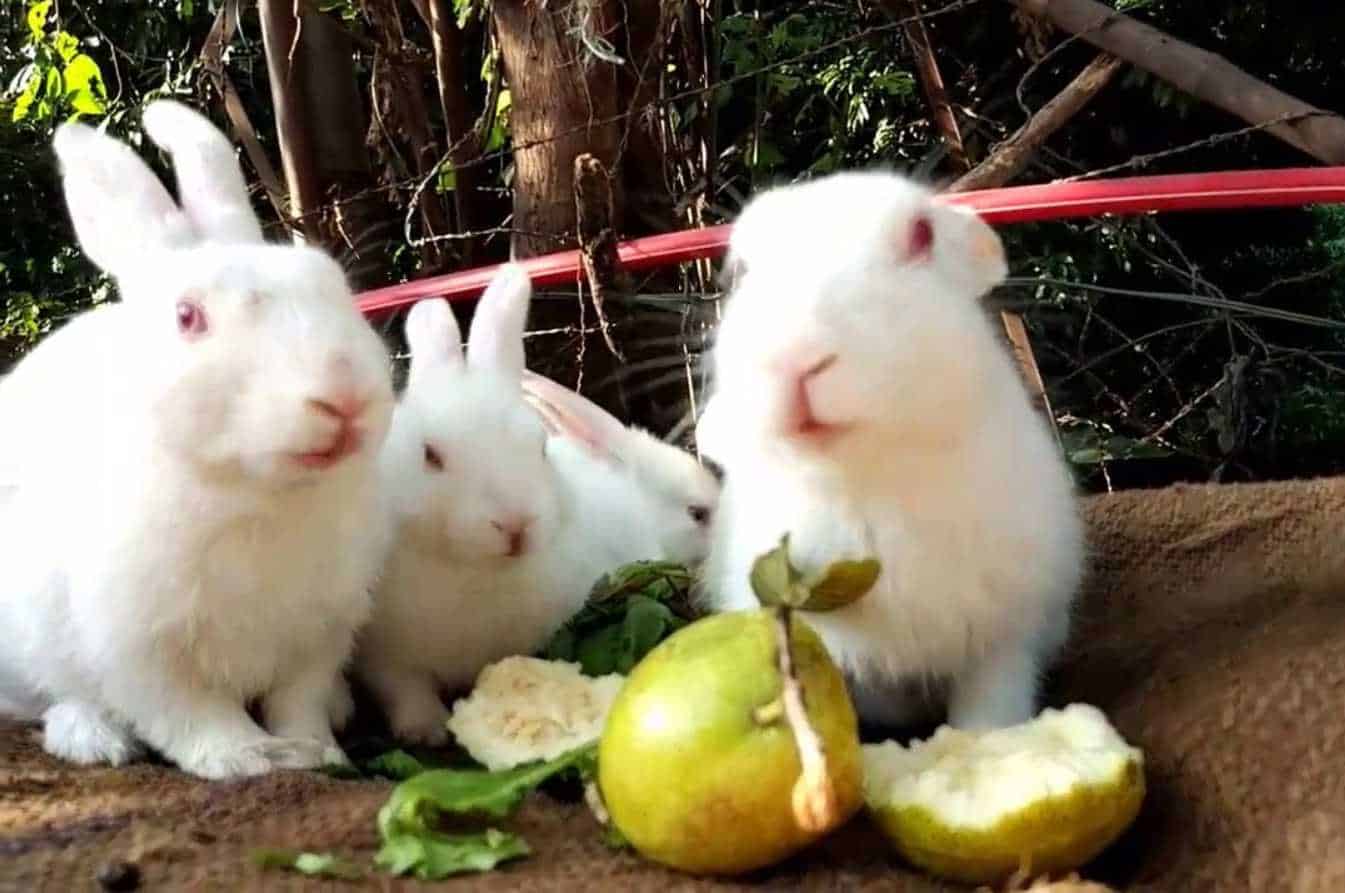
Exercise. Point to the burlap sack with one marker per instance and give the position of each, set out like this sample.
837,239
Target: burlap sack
1211,631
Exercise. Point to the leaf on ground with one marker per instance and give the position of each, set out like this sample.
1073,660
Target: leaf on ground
397,765
432,856
326,865
417,802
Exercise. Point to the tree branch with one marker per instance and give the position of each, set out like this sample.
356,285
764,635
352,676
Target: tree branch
1204,75
1010,157
927,70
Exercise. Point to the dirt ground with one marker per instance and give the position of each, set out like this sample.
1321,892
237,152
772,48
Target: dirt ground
1212,632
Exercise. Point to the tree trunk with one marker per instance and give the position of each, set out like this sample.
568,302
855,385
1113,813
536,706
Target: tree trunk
403,124
644,162
280,28
1204,75
463,146
1010,157
564,104
320,119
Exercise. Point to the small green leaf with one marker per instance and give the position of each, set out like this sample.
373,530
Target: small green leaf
395,764
842,583
312,864
37,19
773,578
776,582
432,856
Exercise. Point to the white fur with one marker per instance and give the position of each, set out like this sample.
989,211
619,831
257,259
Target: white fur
941,468
452,599
643,498
167,557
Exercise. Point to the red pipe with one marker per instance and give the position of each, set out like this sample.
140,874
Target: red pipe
1016,204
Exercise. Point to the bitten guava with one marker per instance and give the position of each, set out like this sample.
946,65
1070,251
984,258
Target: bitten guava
1039,798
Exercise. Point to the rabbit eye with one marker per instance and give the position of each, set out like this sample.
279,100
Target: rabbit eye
191,318
699,513
433,460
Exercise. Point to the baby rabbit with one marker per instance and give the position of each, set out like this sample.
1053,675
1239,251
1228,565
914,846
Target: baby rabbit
646,498
191,475
863,404
474,504
500,530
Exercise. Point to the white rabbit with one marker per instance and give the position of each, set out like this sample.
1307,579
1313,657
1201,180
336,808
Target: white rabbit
501,531
643,497
863,404
474,503
192,476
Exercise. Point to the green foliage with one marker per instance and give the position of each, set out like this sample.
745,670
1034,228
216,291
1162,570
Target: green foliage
628,612
815,100
412,844
60,82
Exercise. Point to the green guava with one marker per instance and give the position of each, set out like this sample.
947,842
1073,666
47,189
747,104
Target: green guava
725,752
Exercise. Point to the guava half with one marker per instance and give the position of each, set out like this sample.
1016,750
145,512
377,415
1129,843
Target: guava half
524,709
1038,798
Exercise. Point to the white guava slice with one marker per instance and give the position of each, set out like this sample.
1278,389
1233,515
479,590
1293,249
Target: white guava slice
1042,797
525,709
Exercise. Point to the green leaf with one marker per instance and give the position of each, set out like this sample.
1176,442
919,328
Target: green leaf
84,86
776,582
312,864
418,802
841,583
395,764
37,19
65,45
432,856
628,612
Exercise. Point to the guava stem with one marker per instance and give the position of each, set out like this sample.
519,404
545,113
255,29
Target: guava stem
814,796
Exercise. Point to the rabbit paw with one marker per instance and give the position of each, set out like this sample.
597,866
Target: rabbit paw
340,706
232,760
85,735
420,723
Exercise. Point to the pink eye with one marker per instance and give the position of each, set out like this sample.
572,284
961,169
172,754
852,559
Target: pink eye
921,239
433,460
191,318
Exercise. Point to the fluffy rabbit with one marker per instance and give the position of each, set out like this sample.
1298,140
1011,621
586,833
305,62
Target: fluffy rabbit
474,505
192,473
864,405
501,530
646,498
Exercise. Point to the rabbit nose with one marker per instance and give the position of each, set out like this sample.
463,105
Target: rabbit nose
516,532
344,407
800,418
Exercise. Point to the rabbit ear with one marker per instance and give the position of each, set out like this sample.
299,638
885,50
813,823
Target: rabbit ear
210,183
973,246
550,418
575,416
496,339
117,205
432,334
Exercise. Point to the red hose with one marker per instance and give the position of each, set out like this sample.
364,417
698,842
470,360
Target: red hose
1016,204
